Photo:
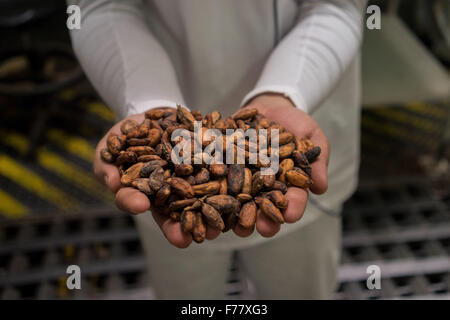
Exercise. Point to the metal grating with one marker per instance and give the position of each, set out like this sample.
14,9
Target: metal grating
400,225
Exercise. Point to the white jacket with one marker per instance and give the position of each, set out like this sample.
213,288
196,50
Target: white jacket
217,54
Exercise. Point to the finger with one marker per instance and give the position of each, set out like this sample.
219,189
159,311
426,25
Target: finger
319,173
266,227
243,232
297,203
132,201
107,173
211,233
175,235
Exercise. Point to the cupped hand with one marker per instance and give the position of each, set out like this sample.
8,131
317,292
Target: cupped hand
133,201
281,110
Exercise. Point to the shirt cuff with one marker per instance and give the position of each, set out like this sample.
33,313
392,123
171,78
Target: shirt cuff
289,92
142,106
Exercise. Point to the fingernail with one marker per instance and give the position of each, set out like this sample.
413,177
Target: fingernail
106,179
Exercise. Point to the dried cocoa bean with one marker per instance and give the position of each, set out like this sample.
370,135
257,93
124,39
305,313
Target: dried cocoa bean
183,170
244,197
199,232
212,217
126,157
278,199
106,155
245,114
247,216
182,187
188,221
269,209
162,195
218,170
313,153
150,166
225,204
202,176
298,178
115,144
181,204
132,173
209,188
235,179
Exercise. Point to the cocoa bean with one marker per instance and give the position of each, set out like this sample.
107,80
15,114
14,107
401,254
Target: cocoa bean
247,216
298,178
218,170
235,179
202,176
126,157
115,144
199,232
183,170
181,204
245,114
188,221
128,125
212,217
225,204
209,188
162,195
106,155
132,173
269,209
182,187
154,114
278,199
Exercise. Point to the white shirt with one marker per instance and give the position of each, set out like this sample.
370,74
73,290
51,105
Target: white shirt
217,54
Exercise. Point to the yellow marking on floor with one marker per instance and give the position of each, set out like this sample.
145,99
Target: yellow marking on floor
101,110
55,163
394,130
405,117
427,109
35,184
74,145
10,207
67,94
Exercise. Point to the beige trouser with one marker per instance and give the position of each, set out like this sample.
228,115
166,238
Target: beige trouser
299,265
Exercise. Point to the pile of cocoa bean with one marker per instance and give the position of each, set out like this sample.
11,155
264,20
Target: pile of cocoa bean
217,195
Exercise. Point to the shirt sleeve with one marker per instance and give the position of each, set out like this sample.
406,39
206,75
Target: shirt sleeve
311,58
121,57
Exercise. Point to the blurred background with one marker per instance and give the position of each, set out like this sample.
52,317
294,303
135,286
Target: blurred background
54,213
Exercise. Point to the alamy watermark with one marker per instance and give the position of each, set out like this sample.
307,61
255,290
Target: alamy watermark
74,279
374,280
373,21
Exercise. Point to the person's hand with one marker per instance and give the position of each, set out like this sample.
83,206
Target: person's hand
135,202
280,109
